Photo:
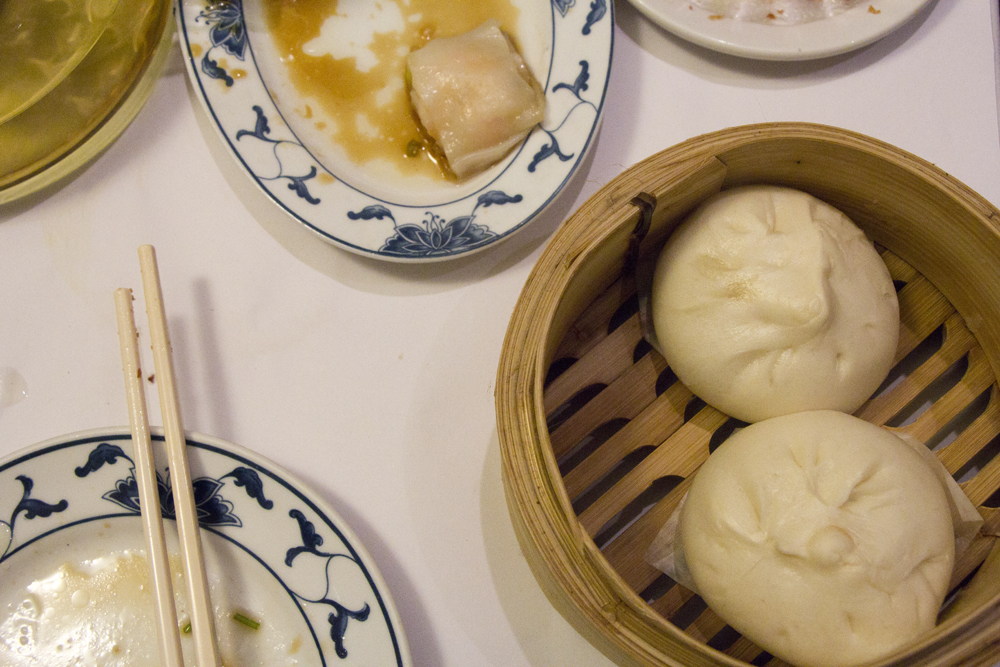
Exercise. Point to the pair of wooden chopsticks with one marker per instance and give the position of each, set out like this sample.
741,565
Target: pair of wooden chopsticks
202,622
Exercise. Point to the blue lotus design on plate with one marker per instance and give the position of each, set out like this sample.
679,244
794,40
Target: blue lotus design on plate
261,131
598,9
227,31
577,88
212,508
435,236
31,508
339,617
216,511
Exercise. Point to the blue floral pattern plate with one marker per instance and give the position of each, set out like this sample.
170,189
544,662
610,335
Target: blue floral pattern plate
234,66
287,557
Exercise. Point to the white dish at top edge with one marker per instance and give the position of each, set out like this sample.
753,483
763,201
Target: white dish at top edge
859,26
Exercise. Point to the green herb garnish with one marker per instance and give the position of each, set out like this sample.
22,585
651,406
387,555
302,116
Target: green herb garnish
246,620
413,148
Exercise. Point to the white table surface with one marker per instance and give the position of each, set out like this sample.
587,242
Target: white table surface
374,382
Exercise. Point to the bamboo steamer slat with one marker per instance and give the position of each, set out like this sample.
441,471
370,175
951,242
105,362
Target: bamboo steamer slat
629,438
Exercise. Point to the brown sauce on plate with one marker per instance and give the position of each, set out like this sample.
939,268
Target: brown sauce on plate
370,110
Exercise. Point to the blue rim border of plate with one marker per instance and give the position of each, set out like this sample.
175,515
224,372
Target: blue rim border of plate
34,507
410,242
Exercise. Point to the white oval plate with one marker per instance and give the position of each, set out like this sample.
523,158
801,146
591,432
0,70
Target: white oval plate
859,26
272,547
235,69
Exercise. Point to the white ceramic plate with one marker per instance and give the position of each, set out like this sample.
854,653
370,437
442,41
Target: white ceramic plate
235,69
272,547
859,26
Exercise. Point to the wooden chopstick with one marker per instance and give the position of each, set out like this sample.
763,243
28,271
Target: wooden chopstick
168,635
202,621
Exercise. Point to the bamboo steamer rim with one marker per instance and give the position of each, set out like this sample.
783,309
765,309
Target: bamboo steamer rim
569,567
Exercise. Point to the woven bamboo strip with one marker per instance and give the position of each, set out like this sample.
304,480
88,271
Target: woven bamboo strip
608,360
624,398
926,309
743,649
669,604
649,428
898,269
706,626
680,455
977,379
777,662
986,427
957,341
625,552
592,326
984,484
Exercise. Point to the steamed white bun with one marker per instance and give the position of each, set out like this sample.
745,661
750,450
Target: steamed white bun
768,301
824,539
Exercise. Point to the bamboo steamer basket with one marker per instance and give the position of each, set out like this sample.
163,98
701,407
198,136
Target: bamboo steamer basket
599,441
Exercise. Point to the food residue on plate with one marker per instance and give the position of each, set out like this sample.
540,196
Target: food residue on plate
99,612
90,613
776,12
356,76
